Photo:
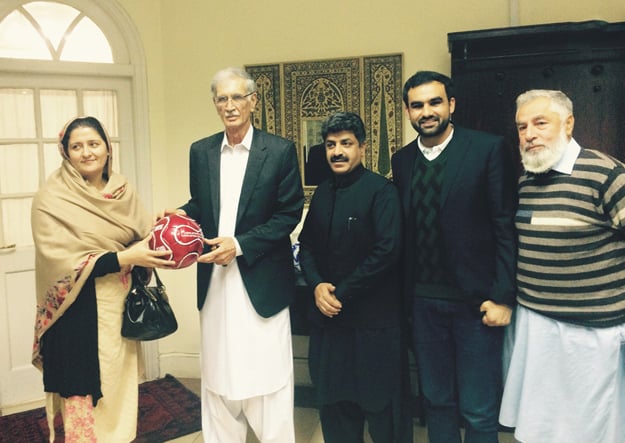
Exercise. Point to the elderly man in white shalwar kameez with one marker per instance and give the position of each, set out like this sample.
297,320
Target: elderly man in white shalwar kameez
246,193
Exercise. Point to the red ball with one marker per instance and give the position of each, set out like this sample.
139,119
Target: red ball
180,235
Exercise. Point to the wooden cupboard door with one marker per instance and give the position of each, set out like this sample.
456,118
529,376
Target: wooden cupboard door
586,61
486,100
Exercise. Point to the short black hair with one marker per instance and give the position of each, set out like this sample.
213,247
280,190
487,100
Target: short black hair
344,121
423,77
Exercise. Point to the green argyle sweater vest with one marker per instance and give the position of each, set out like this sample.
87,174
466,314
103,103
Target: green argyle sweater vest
431,277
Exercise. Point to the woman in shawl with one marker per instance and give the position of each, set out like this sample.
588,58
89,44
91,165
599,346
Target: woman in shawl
89,229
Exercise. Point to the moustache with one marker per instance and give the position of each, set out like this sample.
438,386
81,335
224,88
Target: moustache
529,146
338,158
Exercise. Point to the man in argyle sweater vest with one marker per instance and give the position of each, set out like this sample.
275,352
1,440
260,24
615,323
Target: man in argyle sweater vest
458,191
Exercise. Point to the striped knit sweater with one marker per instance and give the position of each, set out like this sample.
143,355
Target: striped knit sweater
572,242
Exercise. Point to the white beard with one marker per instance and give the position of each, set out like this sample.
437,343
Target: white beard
541,161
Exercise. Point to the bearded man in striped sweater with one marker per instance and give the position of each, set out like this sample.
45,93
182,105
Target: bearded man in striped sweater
566,381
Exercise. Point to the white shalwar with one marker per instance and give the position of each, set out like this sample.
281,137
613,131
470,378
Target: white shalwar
243,355
566,383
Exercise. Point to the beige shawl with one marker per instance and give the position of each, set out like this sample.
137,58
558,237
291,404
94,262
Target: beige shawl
74,224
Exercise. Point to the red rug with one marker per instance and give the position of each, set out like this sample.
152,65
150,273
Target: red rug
167,410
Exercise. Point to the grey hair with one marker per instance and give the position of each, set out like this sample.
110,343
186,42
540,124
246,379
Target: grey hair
562,104
228,73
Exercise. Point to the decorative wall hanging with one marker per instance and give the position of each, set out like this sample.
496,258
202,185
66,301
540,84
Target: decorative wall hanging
295,98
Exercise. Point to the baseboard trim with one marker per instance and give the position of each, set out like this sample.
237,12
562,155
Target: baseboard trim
21,407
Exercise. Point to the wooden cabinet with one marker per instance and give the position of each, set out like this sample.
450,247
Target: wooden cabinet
585,60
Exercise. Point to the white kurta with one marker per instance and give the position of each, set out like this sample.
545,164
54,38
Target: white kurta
243,354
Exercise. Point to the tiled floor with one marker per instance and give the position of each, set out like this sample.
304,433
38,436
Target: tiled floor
307,429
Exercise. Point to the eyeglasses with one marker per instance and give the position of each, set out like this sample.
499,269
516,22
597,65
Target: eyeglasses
237,99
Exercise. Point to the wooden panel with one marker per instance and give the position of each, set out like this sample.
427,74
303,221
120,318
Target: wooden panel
584,60
20,382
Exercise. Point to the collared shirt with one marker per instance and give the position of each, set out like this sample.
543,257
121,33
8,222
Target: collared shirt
567,161
430,153
233,165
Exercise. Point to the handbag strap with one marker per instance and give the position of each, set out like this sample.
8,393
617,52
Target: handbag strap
159,283
140,274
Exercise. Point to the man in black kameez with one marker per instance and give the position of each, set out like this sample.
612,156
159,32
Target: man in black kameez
349,251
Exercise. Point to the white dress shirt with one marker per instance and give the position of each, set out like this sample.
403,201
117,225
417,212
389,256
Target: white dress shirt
430,153
569,156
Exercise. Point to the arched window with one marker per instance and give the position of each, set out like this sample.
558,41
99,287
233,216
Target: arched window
45,30
61,59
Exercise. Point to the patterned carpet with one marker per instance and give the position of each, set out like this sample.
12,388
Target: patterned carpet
167,410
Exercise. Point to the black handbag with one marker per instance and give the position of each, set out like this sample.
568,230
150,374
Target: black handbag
147,314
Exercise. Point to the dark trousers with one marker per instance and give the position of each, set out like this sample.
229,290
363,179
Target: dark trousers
344,422
459,365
